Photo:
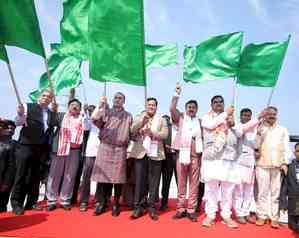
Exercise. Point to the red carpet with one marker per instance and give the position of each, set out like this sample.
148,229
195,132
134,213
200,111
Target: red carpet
73,224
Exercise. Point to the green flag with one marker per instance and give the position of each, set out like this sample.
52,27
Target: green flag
261,63
74,28
65,73
19,25
116,38
3,53
215,58
161,55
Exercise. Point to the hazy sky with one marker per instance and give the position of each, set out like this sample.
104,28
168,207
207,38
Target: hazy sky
182,22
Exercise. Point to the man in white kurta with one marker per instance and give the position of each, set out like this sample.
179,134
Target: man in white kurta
219,168
243,192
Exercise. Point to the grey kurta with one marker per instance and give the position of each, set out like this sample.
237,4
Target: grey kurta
110,164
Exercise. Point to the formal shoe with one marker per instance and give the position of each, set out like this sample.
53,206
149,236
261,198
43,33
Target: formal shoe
230,223
250,219
137,212
83,207
51,207
18,211
100,209
116,210
260,222
275,224
207,222
179,215
163,207
241,220
192,216
34,207
66,207
153,214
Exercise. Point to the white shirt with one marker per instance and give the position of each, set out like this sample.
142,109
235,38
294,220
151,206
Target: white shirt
93,140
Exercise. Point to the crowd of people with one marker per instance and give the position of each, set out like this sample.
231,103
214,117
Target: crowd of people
218,159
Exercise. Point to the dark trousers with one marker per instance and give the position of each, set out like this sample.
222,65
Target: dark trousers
146,170
85,184
4,198
103,192
293,222
201,191
77,181
168,168
28,174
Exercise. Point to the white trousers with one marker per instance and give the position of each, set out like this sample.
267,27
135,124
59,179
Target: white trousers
212,190
268,184
242,195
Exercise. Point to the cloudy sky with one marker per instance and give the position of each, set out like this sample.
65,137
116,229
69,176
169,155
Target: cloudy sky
185,22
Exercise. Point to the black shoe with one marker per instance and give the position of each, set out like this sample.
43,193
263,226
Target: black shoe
18,211
137,212
179,215
100,209
34,207
153,214
192,216
116,210
163,207
83,207
51,207
66,207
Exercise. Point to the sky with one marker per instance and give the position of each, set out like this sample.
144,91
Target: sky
185,22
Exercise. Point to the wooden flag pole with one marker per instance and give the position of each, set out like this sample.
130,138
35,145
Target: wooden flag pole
14,83
145,95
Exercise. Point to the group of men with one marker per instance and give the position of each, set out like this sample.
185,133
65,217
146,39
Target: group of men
223,161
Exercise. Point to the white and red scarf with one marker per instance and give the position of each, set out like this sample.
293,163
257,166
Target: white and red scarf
71,132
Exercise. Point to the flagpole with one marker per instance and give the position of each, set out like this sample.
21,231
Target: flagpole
105,89
234,100
84,92
46,62
145,94
270,97
14,83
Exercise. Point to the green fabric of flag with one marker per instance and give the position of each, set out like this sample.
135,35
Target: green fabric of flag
215,58
65,73
3,53
261,63
74,28
19,25
116,38
161,55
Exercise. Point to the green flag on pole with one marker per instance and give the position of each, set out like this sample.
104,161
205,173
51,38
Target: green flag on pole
3,53
161,55
74,28
116,38
65,73
260,64
215,58
19,25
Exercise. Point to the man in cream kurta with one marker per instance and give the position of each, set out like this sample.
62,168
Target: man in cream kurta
275,153
188,143
219,168
149,130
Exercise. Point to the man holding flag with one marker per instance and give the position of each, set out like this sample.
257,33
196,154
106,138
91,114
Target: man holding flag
38,123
